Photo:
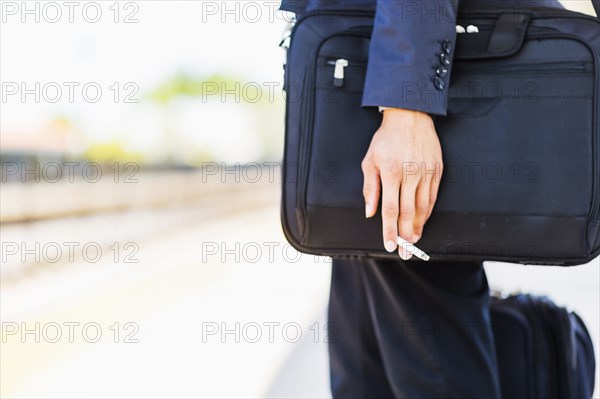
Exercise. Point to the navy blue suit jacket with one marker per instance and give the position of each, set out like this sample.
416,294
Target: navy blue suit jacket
407,40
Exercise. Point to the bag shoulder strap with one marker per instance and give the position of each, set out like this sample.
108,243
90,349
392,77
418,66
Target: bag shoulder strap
596,4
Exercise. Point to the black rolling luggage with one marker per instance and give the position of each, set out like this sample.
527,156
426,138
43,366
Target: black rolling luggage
544,351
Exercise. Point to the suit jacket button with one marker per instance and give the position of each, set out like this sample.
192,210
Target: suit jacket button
441,71
439,83
447,46
444,59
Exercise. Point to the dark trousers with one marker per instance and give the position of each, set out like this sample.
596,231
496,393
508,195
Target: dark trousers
411,330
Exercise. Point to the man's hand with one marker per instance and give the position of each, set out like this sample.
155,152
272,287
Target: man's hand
405,161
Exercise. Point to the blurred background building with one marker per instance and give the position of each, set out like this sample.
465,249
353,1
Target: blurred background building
141,249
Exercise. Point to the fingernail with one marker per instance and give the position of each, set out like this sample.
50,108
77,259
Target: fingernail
390,246
403,254
368,211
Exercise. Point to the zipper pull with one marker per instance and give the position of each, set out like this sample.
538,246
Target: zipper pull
338,73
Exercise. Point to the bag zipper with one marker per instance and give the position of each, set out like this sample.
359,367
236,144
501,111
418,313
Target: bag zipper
305,127
539,338
338,72
340,65
535,68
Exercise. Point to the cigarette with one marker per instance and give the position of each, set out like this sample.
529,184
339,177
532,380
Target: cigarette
410,248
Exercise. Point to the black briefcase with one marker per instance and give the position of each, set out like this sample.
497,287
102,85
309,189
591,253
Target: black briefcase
520,142
543,350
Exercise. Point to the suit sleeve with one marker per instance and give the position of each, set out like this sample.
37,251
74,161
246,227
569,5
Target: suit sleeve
410,55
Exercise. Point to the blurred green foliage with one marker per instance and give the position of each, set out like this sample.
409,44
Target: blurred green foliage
221,88
111,152
182,84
